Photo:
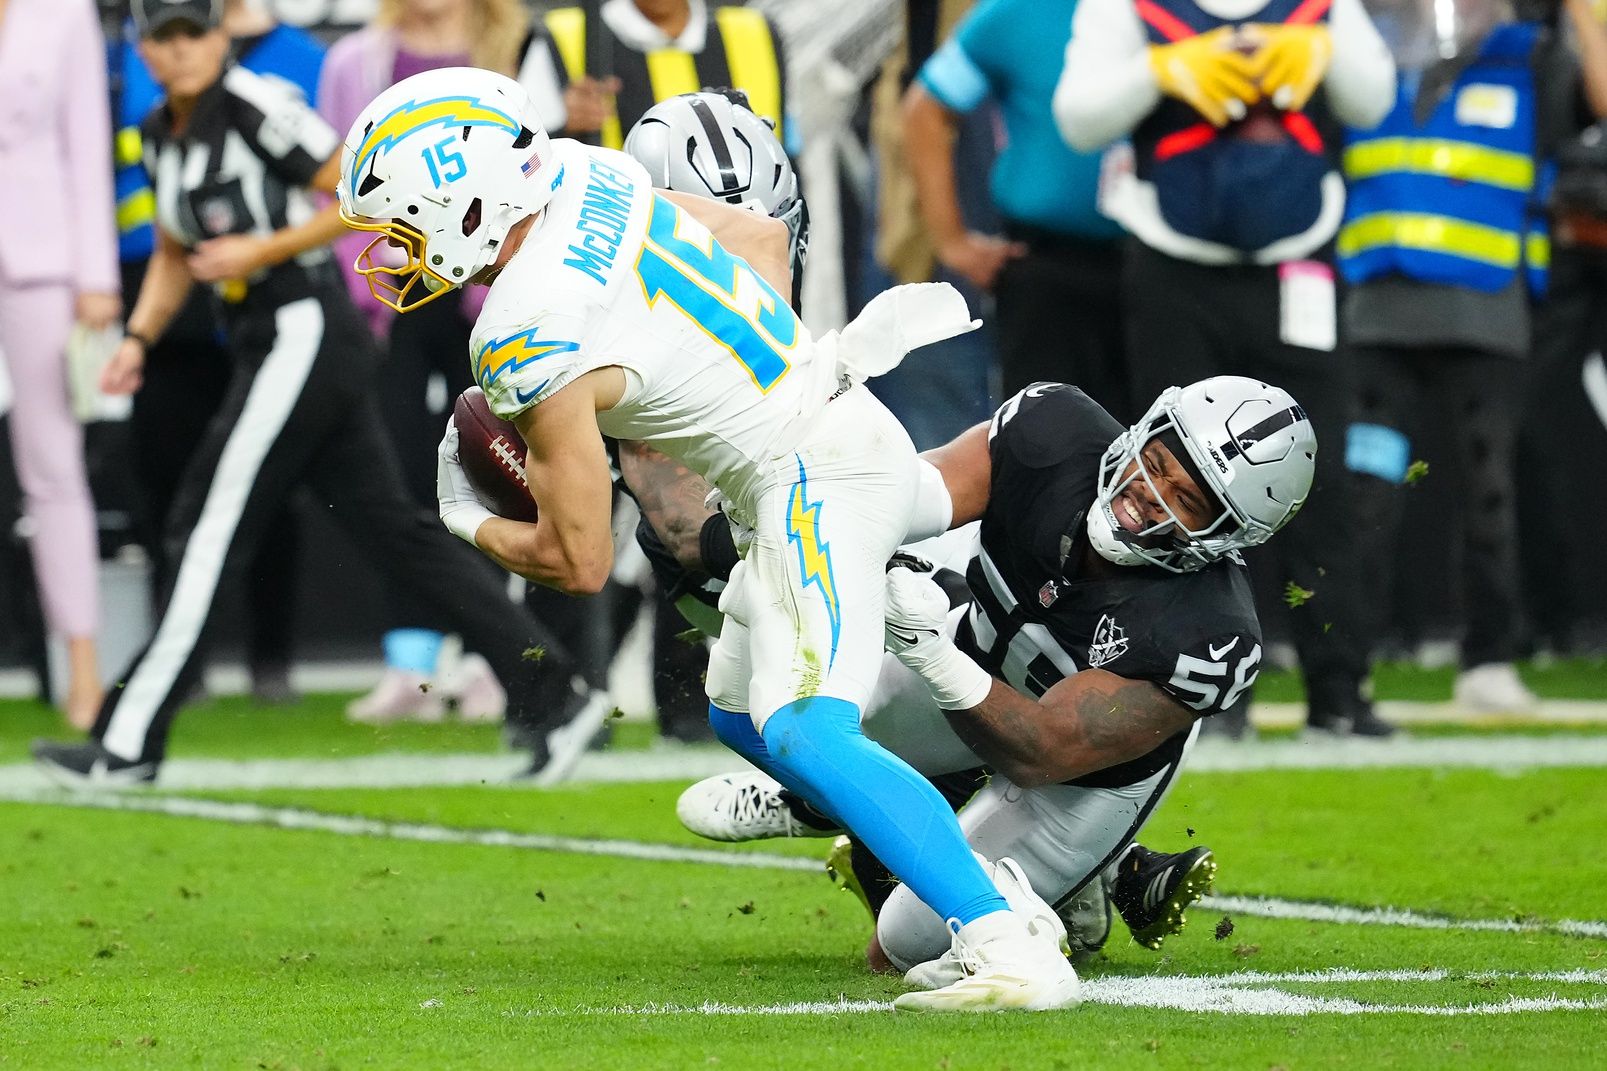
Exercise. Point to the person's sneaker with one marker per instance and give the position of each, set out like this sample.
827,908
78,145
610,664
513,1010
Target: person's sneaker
1007,962
400,695
1154,889
475,692
1041,919
1493,688
86,764
739,807
570,734
1366,723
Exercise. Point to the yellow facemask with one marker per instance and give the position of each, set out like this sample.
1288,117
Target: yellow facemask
394,287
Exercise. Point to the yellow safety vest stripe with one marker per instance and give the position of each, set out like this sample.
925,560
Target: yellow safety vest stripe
1434,156
1431,233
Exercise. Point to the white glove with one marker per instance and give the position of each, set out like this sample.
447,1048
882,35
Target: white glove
916,611
462,511
742,532
899,320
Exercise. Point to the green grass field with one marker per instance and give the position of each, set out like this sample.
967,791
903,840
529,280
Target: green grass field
145,940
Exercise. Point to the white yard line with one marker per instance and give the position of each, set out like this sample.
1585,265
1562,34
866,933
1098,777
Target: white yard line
357,826
1501,751
1241,993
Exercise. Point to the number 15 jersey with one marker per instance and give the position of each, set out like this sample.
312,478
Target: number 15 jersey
718,367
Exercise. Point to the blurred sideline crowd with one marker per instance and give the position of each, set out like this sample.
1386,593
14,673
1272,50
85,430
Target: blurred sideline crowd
1395,209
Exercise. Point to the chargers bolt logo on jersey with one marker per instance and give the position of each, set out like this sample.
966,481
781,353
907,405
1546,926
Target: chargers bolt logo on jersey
514,354
1110,642
450,113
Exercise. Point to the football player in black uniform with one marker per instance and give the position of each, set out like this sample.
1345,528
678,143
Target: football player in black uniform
1109,612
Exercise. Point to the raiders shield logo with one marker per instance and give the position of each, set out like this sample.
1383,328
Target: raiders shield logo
1110,643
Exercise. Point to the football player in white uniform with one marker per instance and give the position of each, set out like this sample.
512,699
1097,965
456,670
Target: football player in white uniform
618,310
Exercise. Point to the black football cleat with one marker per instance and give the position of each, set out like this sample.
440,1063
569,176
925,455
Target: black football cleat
86,764
1154,889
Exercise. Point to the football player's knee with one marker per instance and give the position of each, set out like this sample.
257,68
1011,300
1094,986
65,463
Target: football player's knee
726,682
910,932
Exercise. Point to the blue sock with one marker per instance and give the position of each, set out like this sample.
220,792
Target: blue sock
736,732
818,747
415,650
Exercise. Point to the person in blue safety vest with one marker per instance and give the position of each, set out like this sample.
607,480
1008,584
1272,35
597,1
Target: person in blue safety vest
1445,248
1228,180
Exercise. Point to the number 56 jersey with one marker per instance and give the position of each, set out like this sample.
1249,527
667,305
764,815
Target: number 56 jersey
718,367
1037,617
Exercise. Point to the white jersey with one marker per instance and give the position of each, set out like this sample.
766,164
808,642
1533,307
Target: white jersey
718,366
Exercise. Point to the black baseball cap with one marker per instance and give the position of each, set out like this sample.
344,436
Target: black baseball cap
151,17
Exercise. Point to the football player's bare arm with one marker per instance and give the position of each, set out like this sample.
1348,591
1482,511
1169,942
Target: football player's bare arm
759,240
671,498
571,545
967,470
1088,722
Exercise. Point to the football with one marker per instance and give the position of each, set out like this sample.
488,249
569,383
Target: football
493,454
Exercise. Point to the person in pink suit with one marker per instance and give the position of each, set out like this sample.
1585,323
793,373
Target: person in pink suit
58,265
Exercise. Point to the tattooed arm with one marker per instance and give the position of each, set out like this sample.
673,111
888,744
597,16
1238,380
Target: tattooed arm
1087,722
671,498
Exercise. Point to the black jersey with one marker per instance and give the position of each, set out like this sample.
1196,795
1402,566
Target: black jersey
1036,619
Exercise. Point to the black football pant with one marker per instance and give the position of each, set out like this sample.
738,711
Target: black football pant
187,374
1187,322
300,410
1480,395
1058,312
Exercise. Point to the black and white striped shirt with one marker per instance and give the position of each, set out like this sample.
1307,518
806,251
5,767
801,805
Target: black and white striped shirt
241,165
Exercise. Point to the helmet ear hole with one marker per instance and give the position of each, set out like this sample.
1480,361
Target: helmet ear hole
526,136
472,217
370,183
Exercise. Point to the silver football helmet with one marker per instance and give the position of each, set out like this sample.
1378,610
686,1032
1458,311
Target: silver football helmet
1248,444
711,144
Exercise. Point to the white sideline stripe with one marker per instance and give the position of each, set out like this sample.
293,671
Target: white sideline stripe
1273,908
1240,993
356,826
252,814
1210,755
1412,712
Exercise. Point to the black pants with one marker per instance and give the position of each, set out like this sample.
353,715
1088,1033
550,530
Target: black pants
187,375
1559,442
300,409
1480,396
1186,322
1058,311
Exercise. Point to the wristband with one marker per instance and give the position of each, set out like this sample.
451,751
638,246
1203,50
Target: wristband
956,682
717,547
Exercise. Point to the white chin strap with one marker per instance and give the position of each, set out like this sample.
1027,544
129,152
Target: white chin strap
1102,537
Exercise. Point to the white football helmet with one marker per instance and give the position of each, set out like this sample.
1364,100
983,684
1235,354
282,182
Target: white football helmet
1248,444
442,165
711,144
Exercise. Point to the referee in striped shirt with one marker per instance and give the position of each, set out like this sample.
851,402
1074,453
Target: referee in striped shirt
236,161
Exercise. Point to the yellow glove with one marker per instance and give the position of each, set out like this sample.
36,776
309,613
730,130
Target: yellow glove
1208,73
1291,62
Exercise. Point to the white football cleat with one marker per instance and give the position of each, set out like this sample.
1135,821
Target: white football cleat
400,695
1494,688
1009,960
1008,877
582,720
739,807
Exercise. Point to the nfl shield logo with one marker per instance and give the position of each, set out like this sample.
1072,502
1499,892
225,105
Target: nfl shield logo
1048,594
1110,643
